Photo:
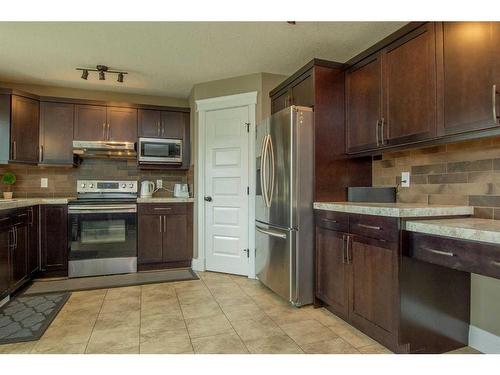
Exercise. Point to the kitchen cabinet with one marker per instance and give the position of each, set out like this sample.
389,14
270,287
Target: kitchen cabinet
20,249
54,240
34,239
280,101
149,123
165,235
24,130
391,96
101,123
6,241
56,133
470,72
300,92
163,124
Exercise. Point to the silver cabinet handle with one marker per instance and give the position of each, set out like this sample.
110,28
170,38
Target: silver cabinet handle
377,129
161,226
348,249
109,132
494,103
103,131
344,253
382,125
271,233
158,126
162,208
495,263
14,150
369,226
329,220
439,252
15,236
40,156
164,224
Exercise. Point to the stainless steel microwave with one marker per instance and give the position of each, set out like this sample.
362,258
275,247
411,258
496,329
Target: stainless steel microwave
159,151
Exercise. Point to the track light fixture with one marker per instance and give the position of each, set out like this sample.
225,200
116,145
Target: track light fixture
102,70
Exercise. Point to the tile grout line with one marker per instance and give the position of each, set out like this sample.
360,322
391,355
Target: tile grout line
97,318
220,307
184,319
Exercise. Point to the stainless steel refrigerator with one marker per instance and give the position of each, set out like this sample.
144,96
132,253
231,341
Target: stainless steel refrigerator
284,199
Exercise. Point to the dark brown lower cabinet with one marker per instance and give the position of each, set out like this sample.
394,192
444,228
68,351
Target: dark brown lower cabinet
34,237
165,233
364,277
6,240
54,240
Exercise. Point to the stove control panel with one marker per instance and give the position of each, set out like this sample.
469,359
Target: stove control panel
102,186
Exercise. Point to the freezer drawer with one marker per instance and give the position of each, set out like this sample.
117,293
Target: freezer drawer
274,259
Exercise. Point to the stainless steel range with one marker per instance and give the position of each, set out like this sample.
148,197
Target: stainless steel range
103,228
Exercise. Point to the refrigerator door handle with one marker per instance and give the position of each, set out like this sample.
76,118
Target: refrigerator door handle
264,172
271,187
262,168
271,233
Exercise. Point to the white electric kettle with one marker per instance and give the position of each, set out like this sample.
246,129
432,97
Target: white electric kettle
147,189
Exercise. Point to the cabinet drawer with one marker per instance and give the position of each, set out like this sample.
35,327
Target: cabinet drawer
5,221
469,256
338,221
377,227
162,209
21,217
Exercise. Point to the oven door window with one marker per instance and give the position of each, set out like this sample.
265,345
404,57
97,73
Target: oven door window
160,149
95,235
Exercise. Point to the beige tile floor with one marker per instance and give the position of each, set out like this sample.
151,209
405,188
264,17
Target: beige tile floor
217,314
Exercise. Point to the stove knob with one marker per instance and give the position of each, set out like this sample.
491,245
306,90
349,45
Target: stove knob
124,186
83,186
91,186
131,185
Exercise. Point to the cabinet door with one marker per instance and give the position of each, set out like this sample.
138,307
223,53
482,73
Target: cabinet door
90,123
149,123
280,102
331,270
302,92
56,133
409,88
175,239
363,105
5,242
372,292
19,256
150,239
54,234
173,124
471,78
122,124
24,129
34,246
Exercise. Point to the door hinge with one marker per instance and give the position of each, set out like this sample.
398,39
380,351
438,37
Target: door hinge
248,126
248,252
248,190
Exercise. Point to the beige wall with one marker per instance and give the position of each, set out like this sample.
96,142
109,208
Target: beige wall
459,173
66,92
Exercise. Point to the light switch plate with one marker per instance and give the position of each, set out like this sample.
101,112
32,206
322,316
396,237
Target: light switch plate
44,182
159,184
405,179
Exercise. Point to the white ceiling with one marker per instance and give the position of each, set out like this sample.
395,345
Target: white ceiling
168,58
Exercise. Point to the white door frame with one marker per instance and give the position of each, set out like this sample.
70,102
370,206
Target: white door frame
202,106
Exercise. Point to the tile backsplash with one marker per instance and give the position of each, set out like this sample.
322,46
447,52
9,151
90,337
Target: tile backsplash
62,181
457,173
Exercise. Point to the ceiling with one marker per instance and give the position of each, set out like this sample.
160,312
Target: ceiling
168,58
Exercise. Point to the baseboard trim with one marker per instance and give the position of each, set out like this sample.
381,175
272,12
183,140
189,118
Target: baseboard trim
484,341
198,264
4,301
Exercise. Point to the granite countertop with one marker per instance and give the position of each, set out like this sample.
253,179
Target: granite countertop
7,204
483,230
395,209
165,200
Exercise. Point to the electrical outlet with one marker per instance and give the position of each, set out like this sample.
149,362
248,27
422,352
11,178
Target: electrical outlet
405,179
159,184
44,182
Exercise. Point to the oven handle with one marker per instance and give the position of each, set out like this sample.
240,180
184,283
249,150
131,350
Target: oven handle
102,209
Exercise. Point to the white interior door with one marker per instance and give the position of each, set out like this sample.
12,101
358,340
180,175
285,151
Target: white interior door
226,183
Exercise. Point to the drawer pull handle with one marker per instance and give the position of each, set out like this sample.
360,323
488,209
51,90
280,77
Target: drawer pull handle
330,221
495,263
163,208
369,227
439,252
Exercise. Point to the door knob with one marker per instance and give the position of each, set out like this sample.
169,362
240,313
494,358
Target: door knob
208,199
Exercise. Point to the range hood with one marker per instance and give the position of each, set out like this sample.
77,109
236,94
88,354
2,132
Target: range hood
101,149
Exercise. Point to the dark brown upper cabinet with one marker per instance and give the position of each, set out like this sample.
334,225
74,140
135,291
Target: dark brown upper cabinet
56,133
122,124
391,95
468,55
90,123
24,132
163,124
409,88
100,123
300,92
363,105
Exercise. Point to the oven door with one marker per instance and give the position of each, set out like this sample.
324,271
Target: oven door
102,239
160,151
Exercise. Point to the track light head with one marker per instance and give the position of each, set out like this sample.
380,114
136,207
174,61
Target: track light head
120,77
102,76
85,74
